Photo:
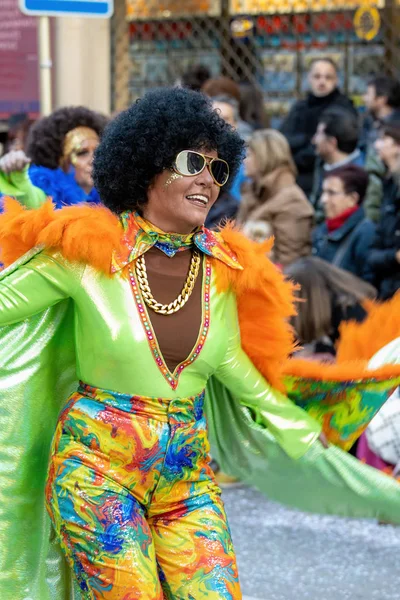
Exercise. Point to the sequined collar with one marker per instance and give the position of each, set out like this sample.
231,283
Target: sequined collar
140,235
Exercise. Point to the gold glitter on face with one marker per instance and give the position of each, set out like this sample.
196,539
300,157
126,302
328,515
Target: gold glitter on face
173,178
73,142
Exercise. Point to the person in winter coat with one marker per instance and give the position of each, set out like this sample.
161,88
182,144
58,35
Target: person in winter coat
273,204
384,258
346,236
301,124
382,101
335,143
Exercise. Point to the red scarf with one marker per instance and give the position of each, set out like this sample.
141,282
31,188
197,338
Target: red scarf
336,222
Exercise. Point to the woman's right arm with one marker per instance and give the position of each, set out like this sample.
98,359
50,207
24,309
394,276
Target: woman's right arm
293,428
43,281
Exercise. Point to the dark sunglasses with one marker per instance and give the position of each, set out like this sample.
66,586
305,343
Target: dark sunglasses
190,163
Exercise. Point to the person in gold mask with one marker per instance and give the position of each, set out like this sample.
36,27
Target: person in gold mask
58,162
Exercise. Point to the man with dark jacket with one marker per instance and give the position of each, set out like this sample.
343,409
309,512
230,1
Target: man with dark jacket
346,236
384,258
335,144
382,101
301,124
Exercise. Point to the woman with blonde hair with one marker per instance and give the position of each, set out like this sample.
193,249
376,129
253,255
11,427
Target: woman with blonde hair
273,204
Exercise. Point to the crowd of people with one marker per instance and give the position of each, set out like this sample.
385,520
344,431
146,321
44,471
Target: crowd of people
326,186
327,183
88,296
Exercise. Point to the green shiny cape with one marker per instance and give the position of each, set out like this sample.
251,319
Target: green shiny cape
37,373
327,481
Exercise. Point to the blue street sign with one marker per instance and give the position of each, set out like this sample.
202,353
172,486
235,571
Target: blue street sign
72,8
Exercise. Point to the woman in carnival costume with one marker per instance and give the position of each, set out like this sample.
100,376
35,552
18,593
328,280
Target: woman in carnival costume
147,308
59,160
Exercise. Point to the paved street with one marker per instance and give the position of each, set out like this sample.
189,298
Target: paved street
287,555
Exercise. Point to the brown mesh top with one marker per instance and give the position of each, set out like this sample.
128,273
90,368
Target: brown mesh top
176,334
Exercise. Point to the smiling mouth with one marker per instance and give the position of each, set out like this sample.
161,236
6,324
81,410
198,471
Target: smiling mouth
198,199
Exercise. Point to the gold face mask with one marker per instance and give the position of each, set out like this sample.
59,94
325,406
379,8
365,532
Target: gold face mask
73,142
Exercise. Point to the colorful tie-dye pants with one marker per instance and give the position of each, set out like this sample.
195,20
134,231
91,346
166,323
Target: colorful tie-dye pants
133,499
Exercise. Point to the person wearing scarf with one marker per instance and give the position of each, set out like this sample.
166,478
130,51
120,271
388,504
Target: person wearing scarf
120,323
346,237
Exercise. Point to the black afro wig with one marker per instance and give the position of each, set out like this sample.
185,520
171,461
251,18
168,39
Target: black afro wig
144,140
46,137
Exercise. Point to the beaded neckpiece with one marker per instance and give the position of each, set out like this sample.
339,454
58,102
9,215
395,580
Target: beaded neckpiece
173,378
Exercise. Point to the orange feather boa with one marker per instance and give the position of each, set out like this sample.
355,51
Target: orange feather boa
265,299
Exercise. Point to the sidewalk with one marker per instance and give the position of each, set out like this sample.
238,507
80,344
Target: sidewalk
287,555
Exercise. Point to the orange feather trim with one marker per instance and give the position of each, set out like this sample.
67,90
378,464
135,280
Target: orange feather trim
82,233
363,340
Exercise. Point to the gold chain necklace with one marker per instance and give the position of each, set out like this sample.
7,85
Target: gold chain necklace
172,307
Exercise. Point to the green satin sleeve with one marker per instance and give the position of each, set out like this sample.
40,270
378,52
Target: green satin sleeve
18,185
292,427
29,288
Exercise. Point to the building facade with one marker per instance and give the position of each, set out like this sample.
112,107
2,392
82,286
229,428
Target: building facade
268,43
106,64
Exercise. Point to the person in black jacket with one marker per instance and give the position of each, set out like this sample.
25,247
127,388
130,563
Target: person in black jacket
346,236
384,258
301,124
382,101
